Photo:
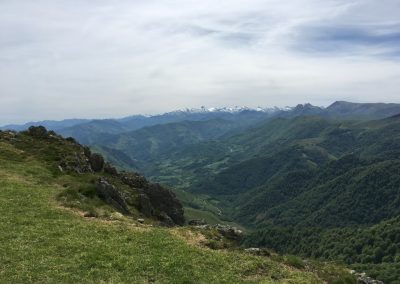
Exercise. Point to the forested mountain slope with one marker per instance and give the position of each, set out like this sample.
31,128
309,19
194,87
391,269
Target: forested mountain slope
308,173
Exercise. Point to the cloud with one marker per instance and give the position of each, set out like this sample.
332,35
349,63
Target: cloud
83,58
368,40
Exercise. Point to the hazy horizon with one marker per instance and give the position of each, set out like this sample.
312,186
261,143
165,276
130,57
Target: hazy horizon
208,108
106,59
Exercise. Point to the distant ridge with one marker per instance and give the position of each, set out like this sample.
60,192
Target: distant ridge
364,111
340,110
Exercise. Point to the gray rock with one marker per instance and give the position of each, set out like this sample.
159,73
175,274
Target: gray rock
164,200
145,206
111,195
367,280
229,232
134,180
96,162
110,169
362,278
77,163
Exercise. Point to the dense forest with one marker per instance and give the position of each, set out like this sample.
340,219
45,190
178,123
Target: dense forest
375,249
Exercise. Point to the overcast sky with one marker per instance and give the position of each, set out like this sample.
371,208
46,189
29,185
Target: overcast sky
96,59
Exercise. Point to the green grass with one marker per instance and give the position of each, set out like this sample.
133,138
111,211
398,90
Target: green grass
40,242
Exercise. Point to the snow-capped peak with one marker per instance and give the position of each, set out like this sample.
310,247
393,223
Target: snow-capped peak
234,109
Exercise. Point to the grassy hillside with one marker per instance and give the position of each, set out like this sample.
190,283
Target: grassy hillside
41,241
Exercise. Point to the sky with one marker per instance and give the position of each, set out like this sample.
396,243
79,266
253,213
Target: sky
99,59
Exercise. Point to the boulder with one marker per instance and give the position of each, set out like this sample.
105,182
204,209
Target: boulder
229,232
111,195
96,162
110,169
133,180
164,200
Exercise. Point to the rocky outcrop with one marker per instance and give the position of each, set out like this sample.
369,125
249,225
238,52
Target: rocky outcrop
77,162
111,195
145,206
362,278
166,220
231,233
134,180
96,162
110,169
122,190
164,200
